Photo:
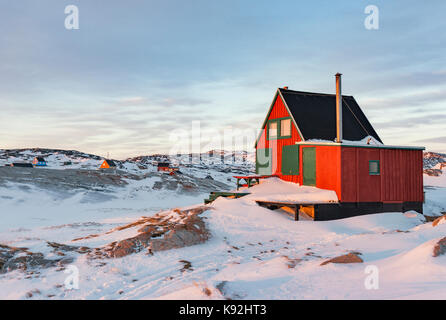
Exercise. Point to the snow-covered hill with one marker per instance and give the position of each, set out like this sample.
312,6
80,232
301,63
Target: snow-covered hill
57,220
219,161
251,252
57,159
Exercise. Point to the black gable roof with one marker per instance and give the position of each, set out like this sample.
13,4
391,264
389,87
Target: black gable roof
111,163
315,116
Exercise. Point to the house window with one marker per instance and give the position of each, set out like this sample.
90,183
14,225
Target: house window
285,127
279,128
374,167
272,130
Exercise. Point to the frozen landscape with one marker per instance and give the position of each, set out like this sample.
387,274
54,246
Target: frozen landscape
135,233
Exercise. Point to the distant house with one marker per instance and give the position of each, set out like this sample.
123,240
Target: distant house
22,165
108,164
166,167
39,162
163,166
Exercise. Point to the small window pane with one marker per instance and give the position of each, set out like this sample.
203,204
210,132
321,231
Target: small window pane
273,130
374,167
285,127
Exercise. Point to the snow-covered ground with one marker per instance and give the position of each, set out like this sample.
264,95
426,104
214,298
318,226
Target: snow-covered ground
253,252
436,181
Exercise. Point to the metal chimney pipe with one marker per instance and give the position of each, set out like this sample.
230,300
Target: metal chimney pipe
338,108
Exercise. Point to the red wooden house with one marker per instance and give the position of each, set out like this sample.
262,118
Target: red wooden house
326,141
108,164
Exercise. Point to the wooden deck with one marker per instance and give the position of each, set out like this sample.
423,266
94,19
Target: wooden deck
249,181
309,208
232,195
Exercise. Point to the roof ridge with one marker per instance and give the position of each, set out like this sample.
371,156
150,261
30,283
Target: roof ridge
311,93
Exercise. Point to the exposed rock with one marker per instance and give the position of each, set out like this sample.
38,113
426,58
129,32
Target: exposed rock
352,257
439,221
161,232
60,248
292,263
433,172
13,258
207,292
430,218
440,247
431,159
30,294
187,266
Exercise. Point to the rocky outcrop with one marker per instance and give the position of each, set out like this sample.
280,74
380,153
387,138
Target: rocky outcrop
352,257
439,221
433,172
161,232
13,258
431,159
440,248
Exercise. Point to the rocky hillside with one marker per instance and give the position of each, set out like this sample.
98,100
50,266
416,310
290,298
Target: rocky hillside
55,158
240,162
431,159
432,163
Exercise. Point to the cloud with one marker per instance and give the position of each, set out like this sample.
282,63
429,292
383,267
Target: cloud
441,139
410,122
160,102
132,101
406,100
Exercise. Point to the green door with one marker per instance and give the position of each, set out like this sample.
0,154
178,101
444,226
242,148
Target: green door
263,161
309,166
290,160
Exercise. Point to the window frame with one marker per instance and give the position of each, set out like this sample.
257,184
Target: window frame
279,129
374,173
291,128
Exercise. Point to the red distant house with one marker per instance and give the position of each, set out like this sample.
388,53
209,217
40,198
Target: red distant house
320,140
108,164
163,166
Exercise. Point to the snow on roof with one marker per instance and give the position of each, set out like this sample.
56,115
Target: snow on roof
368,141
275,189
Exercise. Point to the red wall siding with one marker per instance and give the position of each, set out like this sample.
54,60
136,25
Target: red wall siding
349,175
402,175
279,111
392,175
400,179
369,186
328,167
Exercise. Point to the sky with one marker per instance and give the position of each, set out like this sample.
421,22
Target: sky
137,77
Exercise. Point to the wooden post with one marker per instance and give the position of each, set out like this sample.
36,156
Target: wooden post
238,183
296,213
